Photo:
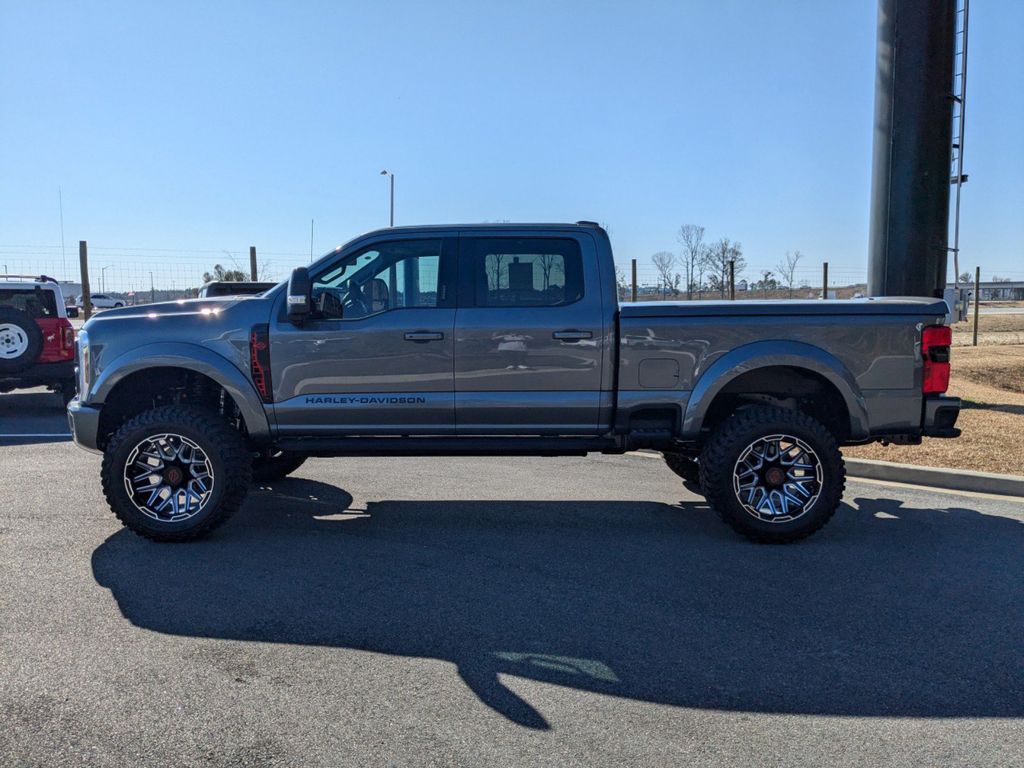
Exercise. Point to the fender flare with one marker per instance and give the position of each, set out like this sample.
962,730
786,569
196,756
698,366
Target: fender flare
764,354
194,358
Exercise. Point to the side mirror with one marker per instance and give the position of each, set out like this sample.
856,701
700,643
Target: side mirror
299,298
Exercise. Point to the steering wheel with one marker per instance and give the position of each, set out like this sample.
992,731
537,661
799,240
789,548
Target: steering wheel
354,304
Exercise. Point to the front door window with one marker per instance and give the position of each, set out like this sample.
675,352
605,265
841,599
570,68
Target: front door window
388,276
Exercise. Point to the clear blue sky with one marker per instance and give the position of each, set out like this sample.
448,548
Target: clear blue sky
207,127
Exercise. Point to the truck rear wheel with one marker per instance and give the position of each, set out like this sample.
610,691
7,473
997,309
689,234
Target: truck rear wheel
175,473
772,474
275,465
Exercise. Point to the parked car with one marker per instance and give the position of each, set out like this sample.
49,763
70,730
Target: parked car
501,340
37,342
233,288
100,301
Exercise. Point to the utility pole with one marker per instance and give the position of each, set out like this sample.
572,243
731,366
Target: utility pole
824,280
732,279
152,291
252,263
83,265
392,177
634,279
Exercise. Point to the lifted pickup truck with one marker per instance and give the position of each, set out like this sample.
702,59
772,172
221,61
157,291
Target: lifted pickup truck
500,340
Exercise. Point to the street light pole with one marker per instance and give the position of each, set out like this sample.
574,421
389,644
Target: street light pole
152,292
103,277
392,178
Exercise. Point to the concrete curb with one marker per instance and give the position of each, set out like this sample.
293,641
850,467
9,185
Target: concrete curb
934,477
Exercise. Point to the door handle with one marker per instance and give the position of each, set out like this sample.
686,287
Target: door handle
572,335
422,336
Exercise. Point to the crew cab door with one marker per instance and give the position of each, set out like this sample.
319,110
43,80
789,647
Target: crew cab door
531,339
377,355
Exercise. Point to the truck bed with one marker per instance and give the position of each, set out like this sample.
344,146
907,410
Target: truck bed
890,305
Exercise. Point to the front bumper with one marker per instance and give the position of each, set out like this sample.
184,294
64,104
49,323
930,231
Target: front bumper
85,425
940,414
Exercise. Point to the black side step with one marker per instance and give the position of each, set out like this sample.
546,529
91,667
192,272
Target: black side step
449,446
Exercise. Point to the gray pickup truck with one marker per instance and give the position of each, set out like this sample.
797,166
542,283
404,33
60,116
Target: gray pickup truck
500,340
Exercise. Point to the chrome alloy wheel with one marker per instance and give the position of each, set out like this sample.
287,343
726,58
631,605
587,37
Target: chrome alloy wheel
168,478
777,478
13,341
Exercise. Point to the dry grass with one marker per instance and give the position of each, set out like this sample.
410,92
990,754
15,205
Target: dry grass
991,383
992,330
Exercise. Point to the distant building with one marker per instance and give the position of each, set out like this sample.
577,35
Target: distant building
1000,290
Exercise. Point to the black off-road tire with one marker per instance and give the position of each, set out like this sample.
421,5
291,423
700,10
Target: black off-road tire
33,339
225,447
718,464
276,466
684,466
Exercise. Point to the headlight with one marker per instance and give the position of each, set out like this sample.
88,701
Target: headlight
84,368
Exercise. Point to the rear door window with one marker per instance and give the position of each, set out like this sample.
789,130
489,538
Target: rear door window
525,272
35,302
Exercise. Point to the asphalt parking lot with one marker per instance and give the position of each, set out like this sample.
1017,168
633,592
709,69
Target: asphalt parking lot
499,612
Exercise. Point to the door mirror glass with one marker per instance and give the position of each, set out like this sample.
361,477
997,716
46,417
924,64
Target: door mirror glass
299,296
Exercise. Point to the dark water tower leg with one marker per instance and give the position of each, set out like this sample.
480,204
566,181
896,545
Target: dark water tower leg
911,157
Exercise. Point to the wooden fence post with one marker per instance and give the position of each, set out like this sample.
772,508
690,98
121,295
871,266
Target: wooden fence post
977,301
83,265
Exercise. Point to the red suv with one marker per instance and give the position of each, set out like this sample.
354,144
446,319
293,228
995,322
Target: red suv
37,342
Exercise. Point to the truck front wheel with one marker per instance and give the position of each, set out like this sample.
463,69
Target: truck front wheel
772,474
175,473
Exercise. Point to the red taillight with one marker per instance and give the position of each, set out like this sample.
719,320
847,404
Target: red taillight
259,362
68,338
935,343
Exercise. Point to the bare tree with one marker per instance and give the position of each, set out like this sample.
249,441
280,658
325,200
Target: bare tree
494,263
621,282
665,263
720,253
787,269
703,265
547,263
691,238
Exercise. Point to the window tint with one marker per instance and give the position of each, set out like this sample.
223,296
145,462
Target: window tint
387,276
526,272
34,302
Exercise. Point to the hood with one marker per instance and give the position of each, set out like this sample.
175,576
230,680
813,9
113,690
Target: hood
211,306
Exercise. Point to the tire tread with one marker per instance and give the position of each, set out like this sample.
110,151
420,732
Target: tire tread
237,461
716,468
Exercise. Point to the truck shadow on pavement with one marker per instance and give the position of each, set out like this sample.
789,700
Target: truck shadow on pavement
890,611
